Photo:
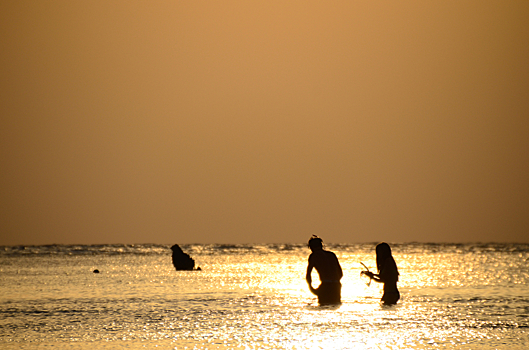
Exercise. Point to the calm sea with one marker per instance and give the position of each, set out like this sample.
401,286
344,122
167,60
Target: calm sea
454,296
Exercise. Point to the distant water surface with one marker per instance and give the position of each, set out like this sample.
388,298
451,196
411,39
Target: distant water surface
464,296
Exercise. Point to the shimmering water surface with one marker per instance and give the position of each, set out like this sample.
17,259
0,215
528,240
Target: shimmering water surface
472,296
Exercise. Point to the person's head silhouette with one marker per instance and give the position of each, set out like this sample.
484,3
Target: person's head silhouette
315,243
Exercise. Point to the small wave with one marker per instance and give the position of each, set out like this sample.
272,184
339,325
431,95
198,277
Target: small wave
58,249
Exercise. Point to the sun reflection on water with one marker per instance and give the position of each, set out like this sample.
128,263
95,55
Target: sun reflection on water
259,299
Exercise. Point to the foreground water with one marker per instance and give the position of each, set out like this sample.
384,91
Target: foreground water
255,297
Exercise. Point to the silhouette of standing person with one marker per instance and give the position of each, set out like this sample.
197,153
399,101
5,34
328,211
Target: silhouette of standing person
330,272
387,274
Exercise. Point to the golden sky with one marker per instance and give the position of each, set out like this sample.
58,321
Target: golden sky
264,121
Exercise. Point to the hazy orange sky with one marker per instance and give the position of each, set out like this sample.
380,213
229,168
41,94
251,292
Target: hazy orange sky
264,121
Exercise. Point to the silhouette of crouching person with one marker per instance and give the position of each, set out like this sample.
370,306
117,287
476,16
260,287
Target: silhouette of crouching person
330,272
181,260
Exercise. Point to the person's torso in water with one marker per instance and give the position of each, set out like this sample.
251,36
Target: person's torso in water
327,265
389,274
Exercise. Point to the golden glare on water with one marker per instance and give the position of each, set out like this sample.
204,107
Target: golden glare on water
256,297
